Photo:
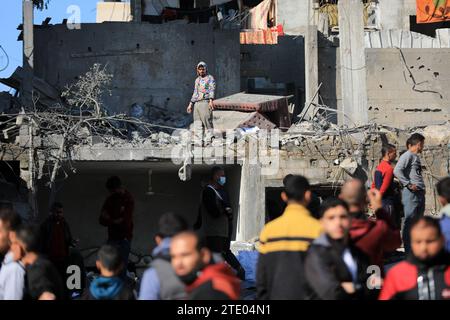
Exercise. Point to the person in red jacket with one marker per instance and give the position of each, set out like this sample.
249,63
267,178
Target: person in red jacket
374,237
191,261
117,216
383,178
425,274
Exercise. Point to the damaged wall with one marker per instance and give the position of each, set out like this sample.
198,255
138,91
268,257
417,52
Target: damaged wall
330,77
393,97
150,62
409,92
282,65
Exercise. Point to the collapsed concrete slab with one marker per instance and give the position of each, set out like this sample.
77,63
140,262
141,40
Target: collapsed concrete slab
229,120
274,108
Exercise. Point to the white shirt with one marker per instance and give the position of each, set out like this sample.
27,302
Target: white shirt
12,279
351,264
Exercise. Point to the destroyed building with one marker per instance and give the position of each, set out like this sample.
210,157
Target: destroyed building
279,64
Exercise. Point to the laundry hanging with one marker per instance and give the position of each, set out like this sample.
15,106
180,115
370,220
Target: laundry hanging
257,18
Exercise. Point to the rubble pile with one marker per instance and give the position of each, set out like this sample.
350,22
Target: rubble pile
166,118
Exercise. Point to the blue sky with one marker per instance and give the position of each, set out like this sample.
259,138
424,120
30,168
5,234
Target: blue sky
11,17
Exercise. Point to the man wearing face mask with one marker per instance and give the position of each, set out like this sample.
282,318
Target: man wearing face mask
191,261
216,219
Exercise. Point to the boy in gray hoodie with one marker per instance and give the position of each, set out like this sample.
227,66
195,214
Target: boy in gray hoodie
409,172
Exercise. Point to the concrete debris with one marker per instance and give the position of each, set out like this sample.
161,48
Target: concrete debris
167,118
237,246
349,165
48,95
9,104
437,135
318,125
304,126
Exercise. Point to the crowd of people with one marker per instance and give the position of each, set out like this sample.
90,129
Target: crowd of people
316,249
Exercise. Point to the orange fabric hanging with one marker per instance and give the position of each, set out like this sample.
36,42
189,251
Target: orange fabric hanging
429,11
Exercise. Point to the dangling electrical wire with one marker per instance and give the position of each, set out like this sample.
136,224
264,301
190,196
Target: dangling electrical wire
7,59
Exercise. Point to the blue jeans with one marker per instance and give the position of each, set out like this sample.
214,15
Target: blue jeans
413,205
124,247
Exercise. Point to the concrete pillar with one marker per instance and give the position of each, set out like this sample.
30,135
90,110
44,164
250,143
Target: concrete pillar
28,48
136,10
251,202
353,63
311,67
28,169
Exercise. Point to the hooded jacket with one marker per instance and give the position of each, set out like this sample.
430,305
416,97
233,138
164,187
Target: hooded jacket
418,280
108,288
160,282
375,237
215,282
325,270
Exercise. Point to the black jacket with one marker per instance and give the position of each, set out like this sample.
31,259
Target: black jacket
284,241
325,270
42,276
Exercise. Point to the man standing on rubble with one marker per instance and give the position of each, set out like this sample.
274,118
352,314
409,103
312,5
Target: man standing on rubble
202,98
